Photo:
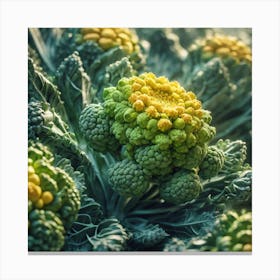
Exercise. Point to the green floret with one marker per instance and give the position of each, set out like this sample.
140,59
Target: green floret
189,159
50,187
37,117
45,231
183,186
128,178
212,163
231,232
96,128
153,160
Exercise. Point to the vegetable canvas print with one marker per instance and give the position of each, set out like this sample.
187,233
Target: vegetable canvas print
139,139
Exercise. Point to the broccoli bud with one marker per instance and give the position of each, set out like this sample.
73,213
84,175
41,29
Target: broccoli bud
38,116
212,163
95,126
49,187
153,160
183,186
128,178
45,231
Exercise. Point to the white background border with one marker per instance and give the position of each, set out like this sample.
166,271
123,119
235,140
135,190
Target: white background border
262,16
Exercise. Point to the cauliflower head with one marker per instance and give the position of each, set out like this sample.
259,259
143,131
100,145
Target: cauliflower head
158,120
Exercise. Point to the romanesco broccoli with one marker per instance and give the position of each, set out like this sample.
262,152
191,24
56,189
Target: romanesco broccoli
151,113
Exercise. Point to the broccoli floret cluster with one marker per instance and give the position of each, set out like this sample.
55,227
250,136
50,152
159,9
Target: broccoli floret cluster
232,232
183,186
45,231
38,116
96,127
108,38
128,178
50,190
212,163
153,160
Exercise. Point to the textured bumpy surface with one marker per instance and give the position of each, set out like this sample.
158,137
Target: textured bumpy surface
182,187
139,139
128,178
232,232
226,47
108,38
152,111
95,126
50,189
45,231
212,163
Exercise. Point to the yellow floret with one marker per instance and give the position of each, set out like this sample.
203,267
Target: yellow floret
47,197
247,247
92,37
109,33
31,170
187,118
164,125
39,203
138,105
106,43
162,97
108,38
227,46
34,192
34,178
152,112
